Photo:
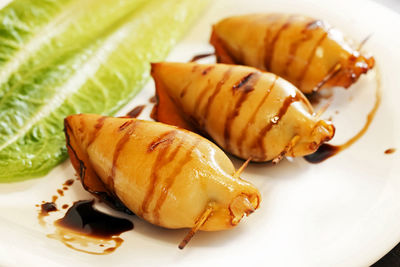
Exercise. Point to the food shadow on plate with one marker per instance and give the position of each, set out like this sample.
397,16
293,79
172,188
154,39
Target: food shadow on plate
201,238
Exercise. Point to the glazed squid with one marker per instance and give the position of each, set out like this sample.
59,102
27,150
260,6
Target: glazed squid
168,176
307,52
251,114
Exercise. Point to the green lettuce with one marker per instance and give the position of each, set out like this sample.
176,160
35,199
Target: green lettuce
94,59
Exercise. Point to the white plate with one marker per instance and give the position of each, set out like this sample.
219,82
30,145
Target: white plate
344,211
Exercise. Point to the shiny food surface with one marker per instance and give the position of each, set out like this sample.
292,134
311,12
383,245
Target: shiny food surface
249,113
164,174
307,52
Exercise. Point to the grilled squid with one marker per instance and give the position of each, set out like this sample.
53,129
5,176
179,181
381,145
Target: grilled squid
168,176
249,113
307,52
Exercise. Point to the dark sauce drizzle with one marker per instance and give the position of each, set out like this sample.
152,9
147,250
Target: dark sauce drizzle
390,151
200,56
244,86
83,218
45,209
134,113
69,182
85,229
326,151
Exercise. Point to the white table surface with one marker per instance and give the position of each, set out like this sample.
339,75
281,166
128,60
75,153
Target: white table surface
391,4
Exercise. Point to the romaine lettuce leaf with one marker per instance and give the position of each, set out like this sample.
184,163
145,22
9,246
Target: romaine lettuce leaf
98,74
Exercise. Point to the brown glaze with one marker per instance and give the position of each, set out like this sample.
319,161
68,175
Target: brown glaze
276,119
331,75
169,181
167,137
97,127
240,85
184,90
270,48
93,184
207,70
326,151
243,135
134,113
124,125
60,192
202,95
54,198
217,89
303,73
200,56
244,86
86,229
303,32
306,35
390,151
162,147
65,188
65,206
130,128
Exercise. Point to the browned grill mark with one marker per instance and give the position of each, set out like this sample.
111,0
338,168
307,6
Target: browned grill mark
184,90
169,181
201,96
243,135
314,24
240,85
282,111
82,127
270,46
330,76
118,148
97,127
158,164
306,35
124,125
301,77
207,70
216,91
199,101
195,67
166,137
245,86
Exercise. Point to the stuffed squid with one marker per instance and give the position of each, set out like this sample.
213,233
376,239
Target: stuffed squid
307,52
249,113
168,176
